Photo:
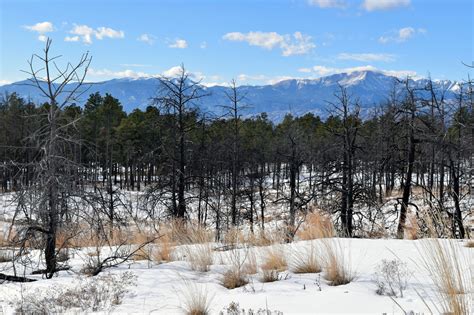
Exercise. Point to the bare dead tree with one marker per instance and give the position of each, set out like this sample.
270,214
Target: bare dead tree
54,180
177,98
234,110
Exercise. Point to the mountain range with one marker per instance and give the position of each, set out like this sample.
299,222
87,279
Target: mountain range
295,96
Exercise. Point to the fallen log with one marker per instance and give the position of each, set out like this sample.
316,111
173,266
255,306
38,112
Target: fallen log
44,271
15,278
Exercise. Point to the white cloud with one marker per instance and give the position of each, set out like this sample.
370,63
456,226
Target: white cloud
71,38
86,33
401,35
118,74
179,43
41,28
338,4
147,38
175,71
108,32
295,44
366,57
321,71
172,72
373,5
203,45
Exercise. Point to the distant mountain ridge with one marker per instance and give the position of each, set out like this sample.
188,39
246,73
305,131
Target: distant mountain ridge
295,96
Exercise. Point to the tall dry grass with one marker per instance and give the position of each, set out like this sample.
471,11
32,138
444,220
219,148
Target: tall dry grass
316,225
195,300
451,272
337,264
306,260
274,262
199,256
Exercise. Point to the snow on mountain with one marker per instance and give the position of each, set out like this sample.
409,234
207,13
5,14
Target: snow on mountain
289,96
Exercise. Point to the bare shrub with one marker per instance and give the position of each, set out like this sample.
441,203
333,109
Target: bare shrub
87,295
62,255
337,264
391,277
305,260
6,255
451,274
199,256
234,309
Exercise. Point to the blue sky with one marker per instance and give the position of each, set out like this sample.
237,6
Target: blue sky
255,42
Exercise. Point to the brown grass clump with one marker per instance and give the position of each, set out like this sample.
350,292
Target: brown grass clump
270,275
337,264
274,262
233,236
275,259
183,232
451,273
316,225
236,276
306,260
6,241
195,300
163,250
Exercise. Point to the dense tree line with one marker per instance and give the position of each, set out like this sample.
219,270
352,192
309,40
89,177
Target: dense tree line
224,171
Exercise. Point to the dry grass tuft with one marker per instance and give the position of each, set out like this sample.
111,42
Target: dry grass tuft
412,230
316,225
274,261
199,256
451,273
270,275
233,236
163,250
183,232
337,264
470,244
196,299
306,260
250,266
236,276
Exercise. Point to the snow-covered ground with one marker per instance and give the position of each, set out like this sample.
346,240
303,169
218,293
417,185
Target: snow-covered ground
161,287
